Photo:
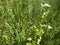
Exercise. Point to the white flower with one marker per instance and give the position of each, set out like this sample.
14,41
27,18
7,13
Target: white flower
44,13
43,5
49,27
39,40
44,25
29,39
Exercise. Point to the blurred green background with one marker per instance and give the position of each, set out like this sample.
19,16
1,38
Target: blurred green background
29,22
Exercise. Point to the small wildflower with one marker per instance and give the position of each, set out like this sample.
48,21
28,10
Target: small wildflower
49,27
44,25
29,39
39,40
43,5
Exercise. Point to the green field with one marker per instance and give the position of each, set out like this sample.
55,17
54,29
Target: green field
29,22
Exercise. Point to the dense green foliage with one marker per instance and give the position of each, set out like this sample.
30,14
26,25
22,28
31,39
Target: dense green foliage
29,22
